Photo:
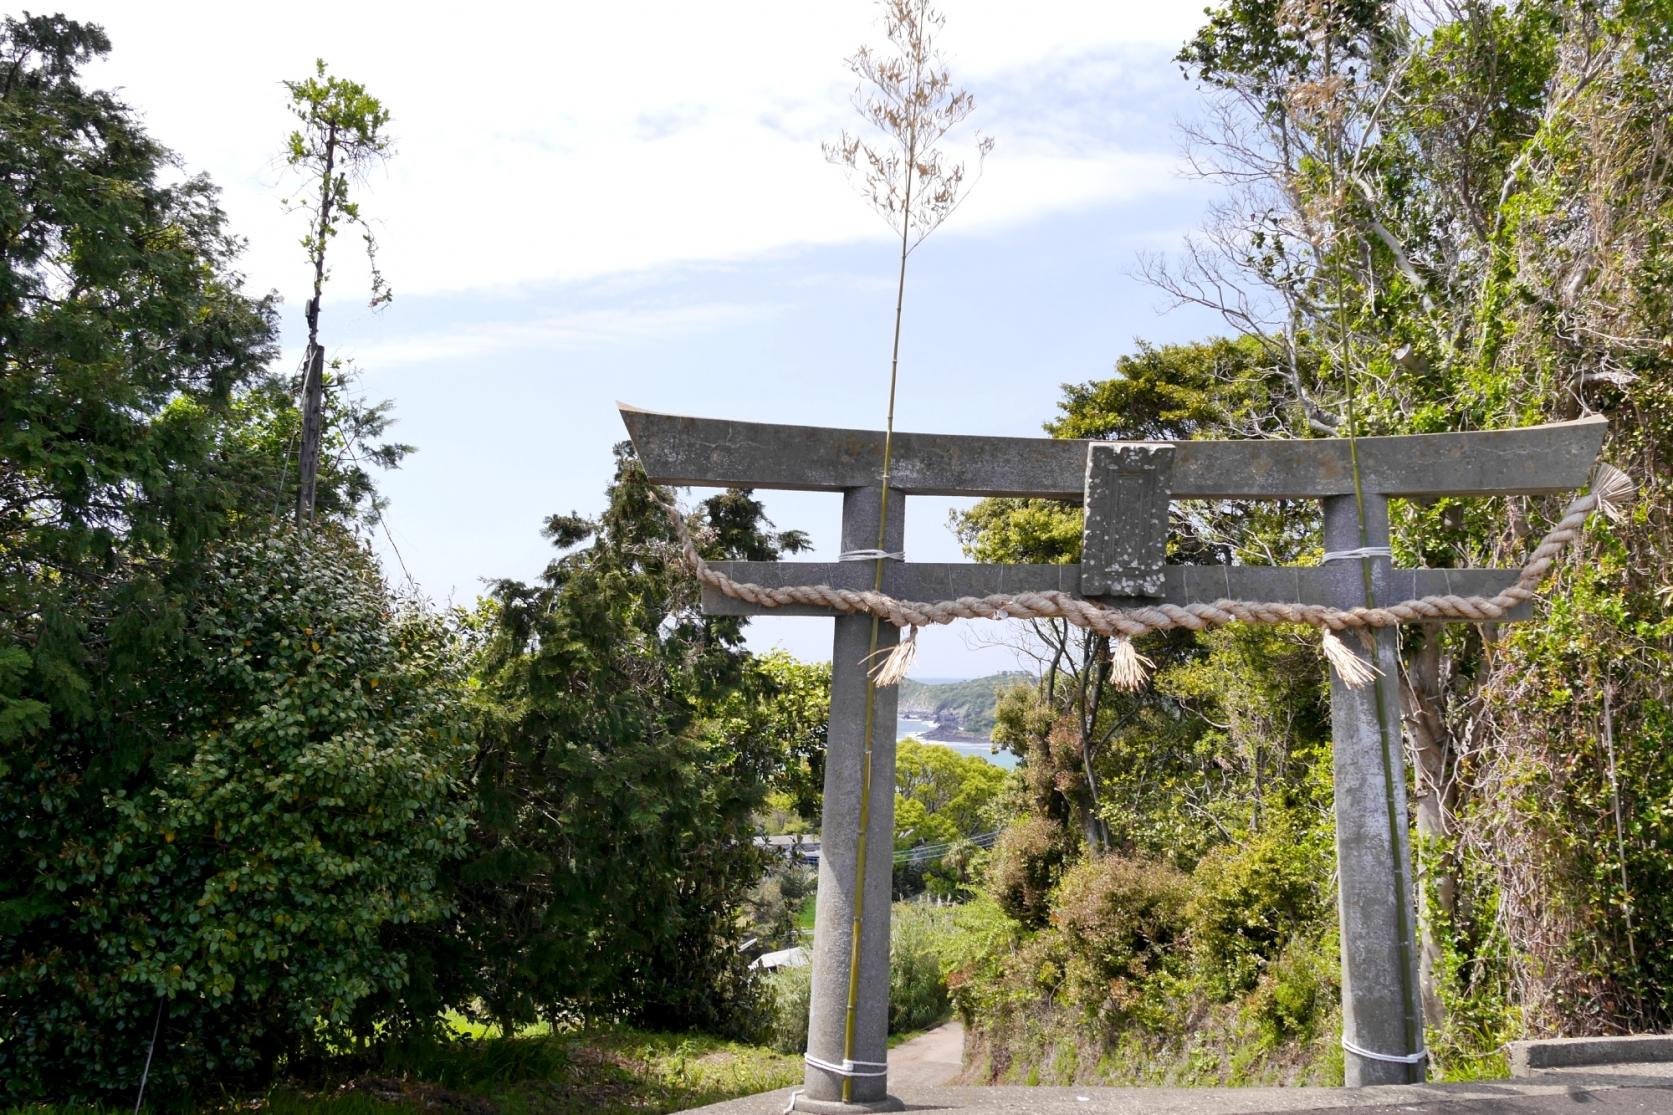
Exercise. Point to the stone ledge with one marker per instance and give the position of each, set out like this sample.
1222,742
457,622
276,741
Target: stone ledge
1528,1057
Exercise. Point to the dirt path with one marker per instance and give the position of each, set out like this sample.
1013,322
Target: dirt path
928,1060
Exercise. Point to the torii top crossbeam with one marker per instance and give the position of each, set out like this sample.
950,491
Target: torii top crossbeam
1535,460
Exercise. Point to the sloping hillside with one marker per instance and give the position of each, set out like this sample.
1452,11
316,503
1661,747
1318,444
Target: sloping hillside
965,707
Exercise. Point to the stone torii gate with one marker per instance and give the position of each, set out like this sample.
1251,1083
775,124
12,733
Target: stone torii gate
1126,488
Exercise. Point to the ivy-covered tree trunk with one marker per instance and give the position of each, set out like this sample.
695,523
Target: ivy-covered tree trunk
1434,773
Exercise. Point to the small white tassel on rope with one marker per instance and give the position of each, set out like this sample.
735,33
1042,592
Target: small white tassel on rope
1614,490
1129,669
1350,667
892,670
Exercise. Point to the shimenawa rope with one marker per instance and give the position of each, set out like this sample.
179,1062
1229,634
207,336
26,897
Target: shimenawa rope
1611,490
1388,1058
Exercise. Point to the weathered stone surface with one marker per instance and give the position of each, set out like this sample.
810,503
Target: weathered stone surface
1381,1010
722,453
1124,542
839,838
1528,1057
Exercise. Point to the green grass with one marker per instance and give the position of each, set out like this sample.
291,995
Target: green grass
601,1072
804,916
598,1072
907,1035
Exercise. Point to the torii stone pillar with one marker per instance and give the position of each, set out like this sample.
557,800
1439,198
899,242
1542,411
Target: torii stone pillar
834,916
1382,1014
1126,489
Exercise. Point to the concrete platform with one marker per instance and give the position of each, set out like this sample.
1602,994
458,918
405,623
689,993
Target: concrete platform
1622,1089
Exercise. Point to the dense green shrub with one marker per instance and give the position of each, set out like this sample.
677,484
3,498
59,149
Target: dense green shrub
298,808
917,986
1119,919
974,953
790,990
1024,868
773,905
1297,992
1251,898
918,996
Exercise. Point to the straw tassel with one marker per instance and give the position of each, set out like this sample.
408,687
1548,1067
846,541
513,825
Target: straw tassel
893,669
1350,667
1129,669
1614,490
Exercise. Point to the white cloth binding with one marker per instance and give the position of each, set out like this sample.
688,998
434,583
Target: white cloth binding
1361,552
1389,1058
848,1068
872,555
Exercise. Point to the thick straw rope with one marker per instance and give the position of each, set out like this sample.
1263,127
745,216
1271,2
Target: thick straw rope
1610,489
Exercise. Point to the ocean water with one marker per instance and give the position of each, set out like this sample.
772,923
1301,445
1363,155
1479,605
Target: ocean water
907,727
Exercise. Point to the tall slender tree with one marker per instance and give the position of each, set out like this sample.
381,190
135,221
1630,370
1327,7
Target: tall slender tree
342,134
906,94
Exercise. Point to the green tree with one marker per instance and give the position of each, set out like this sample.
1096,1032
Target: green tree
123,336
142,437
342,134
619,774
1458,222
1466,219
789,703
298,808
940,795
1083,723
123,342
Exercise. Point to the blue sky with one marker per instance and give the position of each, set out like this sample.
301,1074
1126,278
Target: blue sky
631,204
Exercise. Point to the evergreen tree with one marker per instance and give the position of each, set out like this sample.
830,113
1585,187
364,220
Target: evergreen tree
123,336
173,736
627,744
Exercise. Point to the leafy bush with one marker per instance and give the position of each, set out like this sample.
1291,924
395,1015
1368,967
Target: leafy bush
244,889
1252,899
917,988
1024,868
791,990
918,996
773,905
1297,991
1119,919
974,953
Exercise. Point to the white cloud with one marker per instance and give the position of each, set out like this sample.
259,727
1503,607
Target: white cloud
582,329
570,141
